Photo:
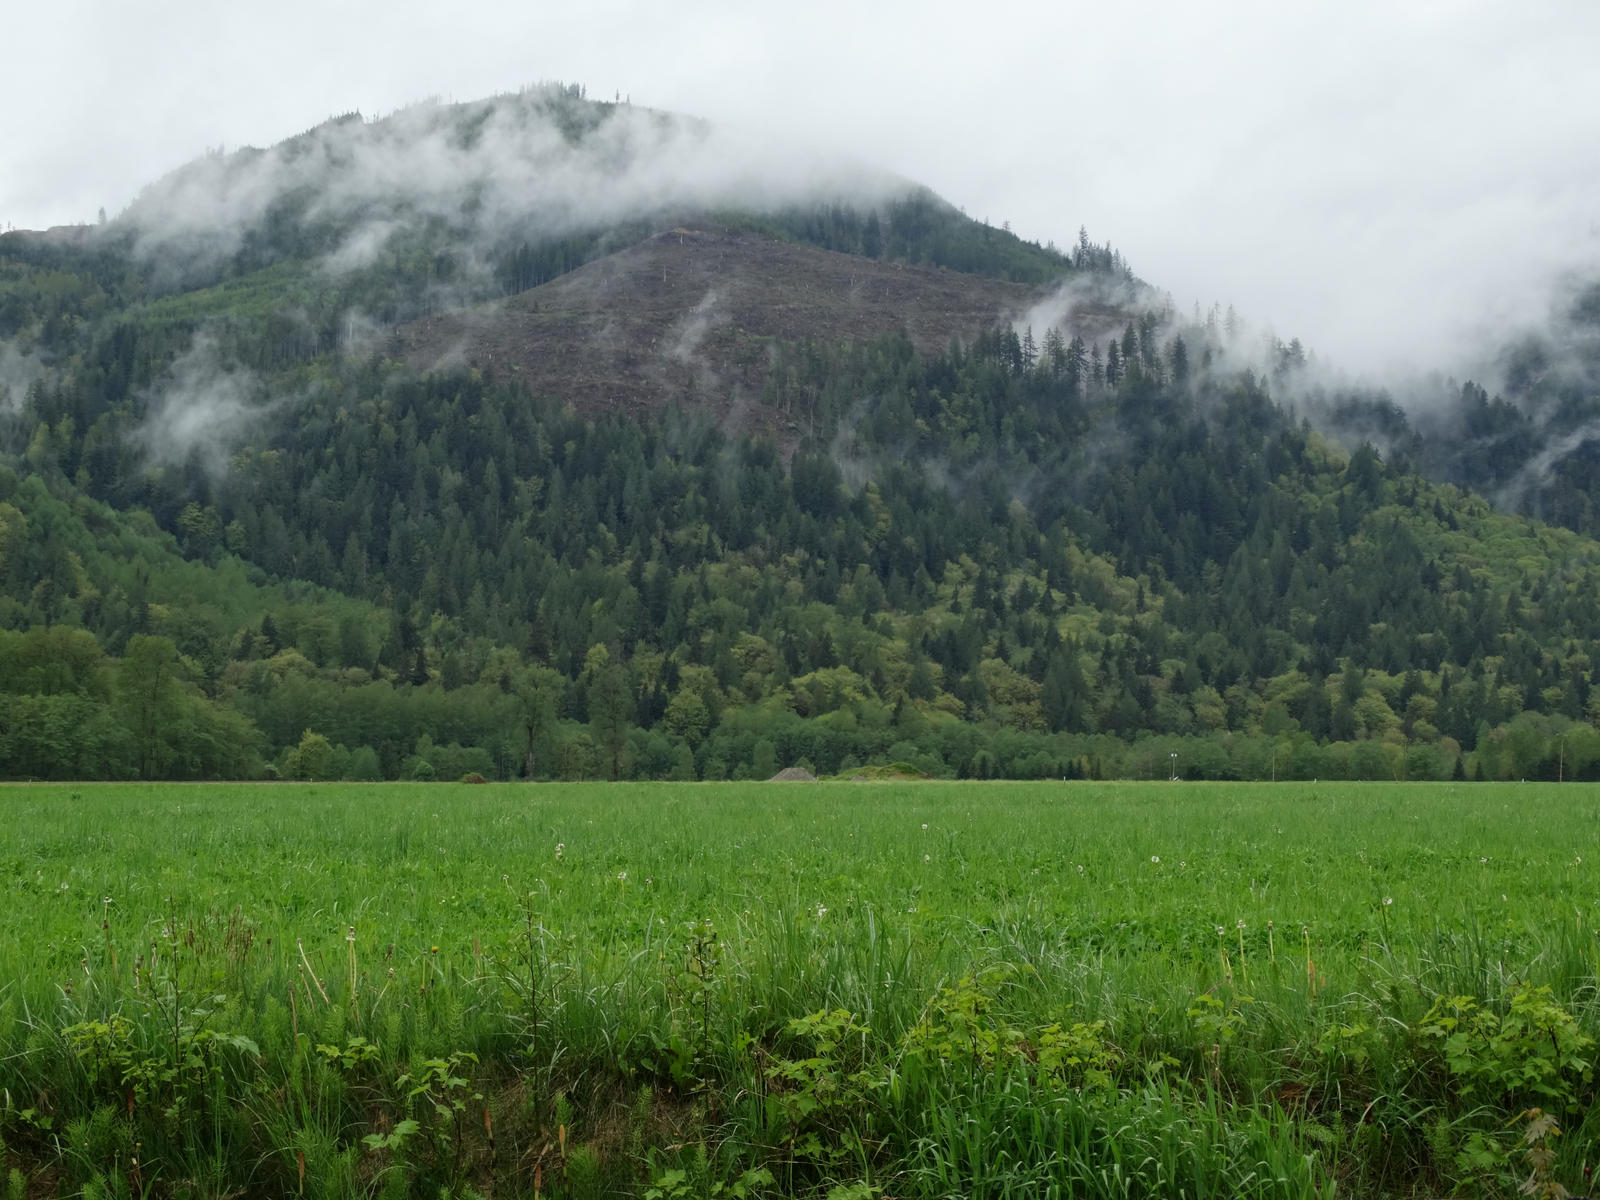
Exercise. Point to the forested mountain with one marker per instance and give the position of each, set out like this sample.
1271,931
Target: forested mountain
1533,444
542,437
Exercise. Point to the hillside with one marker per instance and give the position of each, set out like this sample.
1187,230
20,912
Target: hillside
723,474
690,317
1527,435
74,575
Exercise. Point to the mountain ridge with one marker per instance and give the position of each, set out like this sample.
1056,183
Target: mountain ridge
694,488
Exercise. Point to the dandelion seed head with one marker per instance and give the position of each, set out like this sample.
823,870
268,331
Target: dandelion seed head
1388,900
925,858
1155,858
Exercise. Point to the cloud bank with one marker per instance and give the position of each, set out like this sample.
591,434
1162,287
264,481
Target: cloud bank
202,408
19,371
537,166
1379,180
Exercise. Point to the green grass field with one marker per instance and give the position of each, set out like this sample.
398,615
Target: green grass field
743,990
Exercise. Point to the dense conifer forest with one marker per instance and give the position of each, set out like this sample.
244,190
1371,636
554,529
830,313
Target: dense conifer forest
240,537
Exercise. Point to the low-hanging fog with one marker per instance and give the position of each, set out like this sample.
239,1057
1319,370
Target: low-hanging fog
1387,183
526,165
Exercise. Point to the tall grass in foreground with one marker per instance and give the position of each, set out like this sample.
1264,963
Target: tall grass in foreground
750,990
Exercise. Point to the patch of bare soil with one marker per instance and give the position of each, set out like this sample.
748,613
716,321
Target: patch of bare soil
688,317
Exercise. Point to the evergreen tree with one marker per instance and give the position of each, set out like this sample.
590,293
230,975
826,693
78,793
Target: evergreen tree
1063,693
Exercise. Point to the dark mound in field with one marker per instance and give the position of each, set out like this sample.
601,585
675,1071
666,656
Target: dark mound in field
891,772
793,775
688,317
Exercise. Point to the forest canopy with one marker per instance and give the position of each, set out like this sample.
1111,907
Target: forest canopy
238,537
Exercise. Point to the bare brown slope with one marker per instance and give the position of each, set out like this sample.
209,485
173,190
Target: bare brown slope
687,316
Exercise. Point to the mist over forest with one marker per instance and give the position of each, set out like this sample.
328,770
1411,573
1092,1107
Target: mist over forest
550,437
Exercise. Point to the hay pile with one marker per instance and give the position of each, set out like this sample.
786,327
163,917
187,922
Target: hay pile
793,775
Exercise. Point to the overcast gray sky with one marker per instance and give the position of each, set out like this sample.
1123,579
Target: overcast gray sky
1377,178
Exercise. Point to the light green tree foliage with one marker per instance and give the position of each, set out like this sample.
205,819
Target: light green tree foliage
176,733
610,715
313,758
150,689
537,690
687,717
52,661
